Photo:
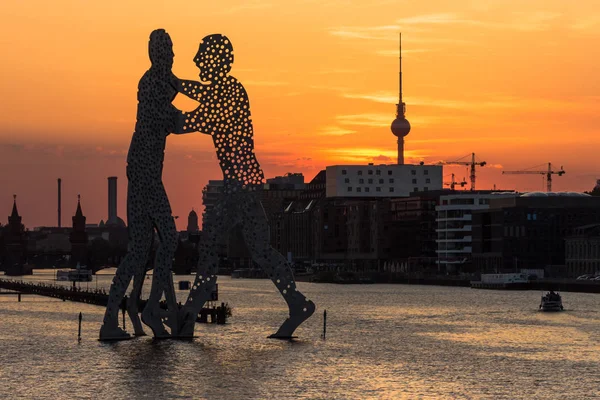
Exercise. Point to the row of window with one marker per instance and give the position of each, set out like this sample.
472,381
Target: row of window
367,189
378,189
361,180
467,201
391,180
378,172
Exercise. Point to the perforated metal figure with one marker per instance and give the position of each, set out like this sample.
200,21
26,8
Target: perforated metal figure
224,113
148,206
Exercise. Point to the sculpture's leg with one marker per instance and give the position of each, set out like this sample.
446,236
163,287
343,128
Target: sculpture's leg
257,238
216,225
133,302
137,253
162,280
136,293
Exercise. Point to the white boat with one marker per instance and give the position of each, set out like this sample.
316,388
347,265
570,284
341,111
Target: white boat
78,274
517,281
551,302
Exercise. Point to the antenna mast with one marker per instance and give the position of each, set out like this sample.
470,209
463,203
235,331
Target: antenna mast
401,105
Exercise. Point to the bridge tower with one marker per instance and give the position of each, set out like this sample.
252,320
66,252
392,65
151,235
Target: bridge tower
78,238
15,242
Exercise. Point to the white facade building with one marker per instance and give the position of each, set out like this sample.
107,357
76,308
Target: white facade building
382,180
454,226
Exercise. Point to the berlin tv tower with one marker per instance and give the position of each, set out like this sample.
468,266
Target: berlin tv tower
400,127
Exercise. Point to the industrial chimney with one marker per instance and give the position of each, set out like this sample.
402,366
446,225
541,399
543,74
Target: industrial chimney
112,200
59,202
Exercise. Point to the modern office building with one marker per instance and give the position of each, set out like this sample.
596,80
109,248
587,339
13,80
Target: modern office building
454,227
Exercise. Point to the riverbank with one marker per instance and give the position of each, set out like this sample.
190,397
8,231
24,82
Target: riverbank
563,285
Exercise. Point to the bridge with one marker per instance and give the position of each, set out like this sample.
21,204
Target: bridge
99,297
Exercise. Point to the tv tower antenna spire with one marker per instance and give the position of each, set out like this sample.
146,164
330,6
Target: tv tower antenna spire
400,103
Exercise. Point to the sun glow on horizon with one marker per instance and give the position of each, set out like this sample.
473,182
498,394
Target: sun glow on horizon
513,82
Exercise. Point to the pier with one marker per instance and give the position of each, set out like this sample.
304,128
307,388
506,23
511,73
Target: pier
99,297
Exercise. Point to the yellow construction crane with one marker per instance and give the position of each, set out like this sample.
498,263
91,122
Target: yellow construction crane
453,183
549,172
471,164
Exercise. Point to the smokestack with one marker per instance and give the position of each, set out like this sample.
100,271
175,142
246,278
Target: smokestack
59,201
112,200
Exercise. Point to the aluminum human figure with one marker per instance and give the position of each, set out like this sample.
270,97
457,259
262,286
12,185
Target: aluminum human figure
148,206
224,113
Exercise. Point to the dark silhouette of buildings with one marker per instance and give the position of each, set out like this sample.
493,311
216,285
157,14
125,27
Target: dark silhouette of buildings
186,254
412,230
529,231
295,224
276,193
582,251
491,231
96,246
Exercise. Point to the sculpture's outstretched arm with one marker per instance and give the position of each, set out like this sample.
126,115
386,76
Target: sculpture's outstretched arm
183,122
190,88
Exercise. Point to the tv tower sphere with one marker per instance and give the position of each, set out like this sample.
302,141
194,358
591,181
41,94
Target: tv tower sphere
400,127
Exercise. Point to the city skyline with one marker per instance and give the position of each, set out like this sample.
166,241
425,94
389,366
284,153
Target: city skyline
326,96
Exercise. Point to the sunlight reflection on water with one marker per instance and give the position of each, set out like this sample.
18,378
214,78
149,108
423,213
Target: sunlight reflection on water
383,342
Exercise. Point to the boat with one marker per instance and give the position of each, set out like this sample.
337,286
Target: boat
77,274
514,281
551,302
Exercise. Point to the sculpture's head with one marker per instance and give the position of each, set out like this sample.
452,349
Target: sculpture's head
160,49
214,57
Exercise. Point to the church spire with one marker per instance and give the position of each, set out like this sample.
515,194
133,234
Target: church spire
15,212
78,218
78,213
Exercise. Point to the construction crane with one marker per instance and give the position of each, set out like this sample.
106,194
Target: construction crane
471,164
549,172
453,183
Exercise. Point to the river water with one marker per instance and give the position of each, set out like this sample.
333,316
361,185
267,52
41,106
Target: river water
383,342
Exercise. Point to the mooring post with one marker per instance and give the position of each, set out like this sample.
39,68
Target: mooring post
79,334
19,296
124,306
324,323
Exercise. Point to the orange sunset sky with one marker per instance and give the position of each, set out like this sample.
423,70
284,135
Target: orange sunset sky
514,81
